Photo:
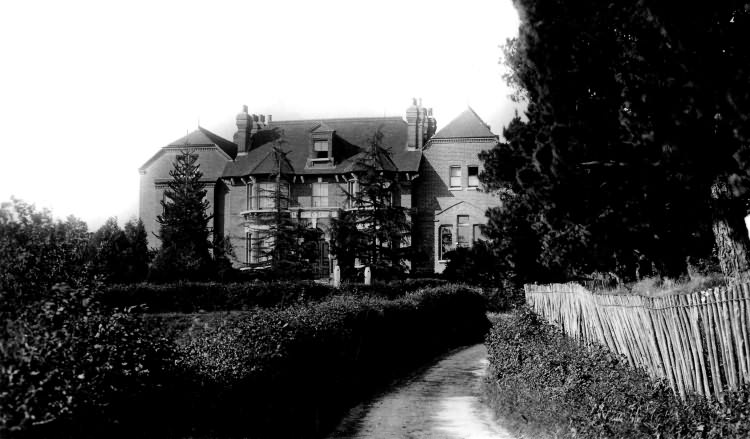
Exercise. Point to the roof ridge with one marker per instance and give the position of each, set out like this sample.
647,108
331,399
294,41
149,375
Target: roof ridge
339,119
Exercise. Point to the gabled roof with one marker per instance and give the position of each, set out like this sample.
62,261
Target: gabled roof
204,137
351,138
200,137
466,124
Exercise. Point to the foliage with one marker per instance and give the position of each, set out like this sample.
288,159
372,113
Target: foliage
377,230
481,265
184,233
188,297
478,263
543,384
36,252
634,113
120,255
309,362
285,245
64,361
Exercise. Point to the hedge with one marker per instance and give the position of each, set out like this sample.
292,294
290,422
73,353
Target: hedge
69,368
543,384
190,297
293,372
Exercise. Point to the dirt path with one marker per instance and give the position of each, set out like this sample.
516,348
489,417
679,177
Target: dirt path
441,402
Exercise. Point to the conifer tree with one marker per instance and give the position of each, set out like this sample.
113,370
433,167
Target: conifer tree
282,242
184,231
377,230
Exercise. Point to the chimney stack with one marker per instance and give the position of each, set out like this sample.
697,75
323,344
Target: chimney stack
242,136
420,125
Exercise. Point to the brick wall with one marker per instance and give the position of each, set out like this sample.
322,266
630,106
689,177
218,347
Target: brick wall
212,164
439,204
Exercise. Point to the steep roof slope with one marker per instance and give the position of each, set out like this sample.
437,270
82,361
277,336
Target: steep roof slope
466,124
204,137
351,137
197,138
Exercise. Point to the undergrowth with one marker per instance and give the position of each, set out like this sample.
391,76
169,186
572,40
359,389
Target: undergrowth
544,385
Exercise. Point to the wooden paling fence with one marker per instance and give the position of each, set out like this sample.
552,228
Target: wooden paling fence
698,342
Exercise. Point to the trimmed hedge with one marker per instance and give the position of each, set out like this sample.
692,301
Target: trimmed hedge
71,369
293,372
188,297
543,384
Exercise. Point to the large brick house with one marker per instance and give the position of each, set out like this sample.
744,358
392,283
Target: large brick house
437,174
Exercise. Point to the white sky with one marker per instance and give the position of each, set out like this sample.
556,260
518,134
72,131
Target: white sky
90,90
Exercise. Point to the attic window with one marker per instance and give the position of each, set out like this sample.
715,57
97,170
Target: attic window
320,147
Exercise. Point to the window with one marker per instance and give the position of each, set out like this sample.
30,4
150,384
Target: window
473,176
249,248
320,147
352,192
446,241
455,177
249,196
464,231
320,194
267,195
263,246
478,232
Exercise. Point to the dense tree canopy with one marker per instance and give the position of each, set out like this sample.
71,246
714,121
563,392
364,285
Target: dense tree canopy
635,112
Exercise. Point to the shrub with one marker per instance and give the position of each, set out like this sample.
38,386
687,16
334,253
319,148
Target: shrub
65,363
543,384
307,362
212,296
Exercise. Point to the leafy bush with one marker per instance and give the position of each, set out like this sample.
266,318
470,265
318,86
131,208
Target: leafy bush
119,255
543,384
307,362
213,296
65,362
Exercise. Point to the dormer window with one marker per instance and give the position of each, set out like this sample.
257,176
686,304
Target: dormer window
321,147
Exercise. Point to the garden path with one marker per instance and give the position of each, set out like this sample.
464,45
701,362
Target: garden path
440,402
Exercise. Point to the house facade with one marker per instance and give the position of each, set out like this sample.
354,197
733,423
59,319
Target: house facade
437,172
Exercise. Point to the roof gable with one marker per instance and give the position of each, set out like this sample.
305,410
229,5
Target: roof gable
466,124
204,137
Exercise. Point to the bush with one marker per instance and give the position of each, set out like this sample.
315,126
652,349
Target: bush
191,297
65,363
543,384
308,362
212,296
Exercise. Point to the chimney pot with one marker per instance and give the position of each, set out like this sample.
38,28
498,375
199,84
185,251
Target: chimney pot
244,109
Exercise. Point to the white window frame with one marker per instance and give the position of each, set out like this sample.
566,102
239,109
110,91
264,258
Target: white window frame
451,177
320,199
467,231
441,250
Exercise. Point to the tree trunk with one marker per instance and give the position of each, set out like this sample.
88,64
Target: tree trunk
730,232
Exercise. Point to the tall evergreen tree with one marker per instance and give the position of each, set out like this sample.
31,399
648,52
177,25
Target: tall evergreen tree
283,243
635,140
184,232
378,230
